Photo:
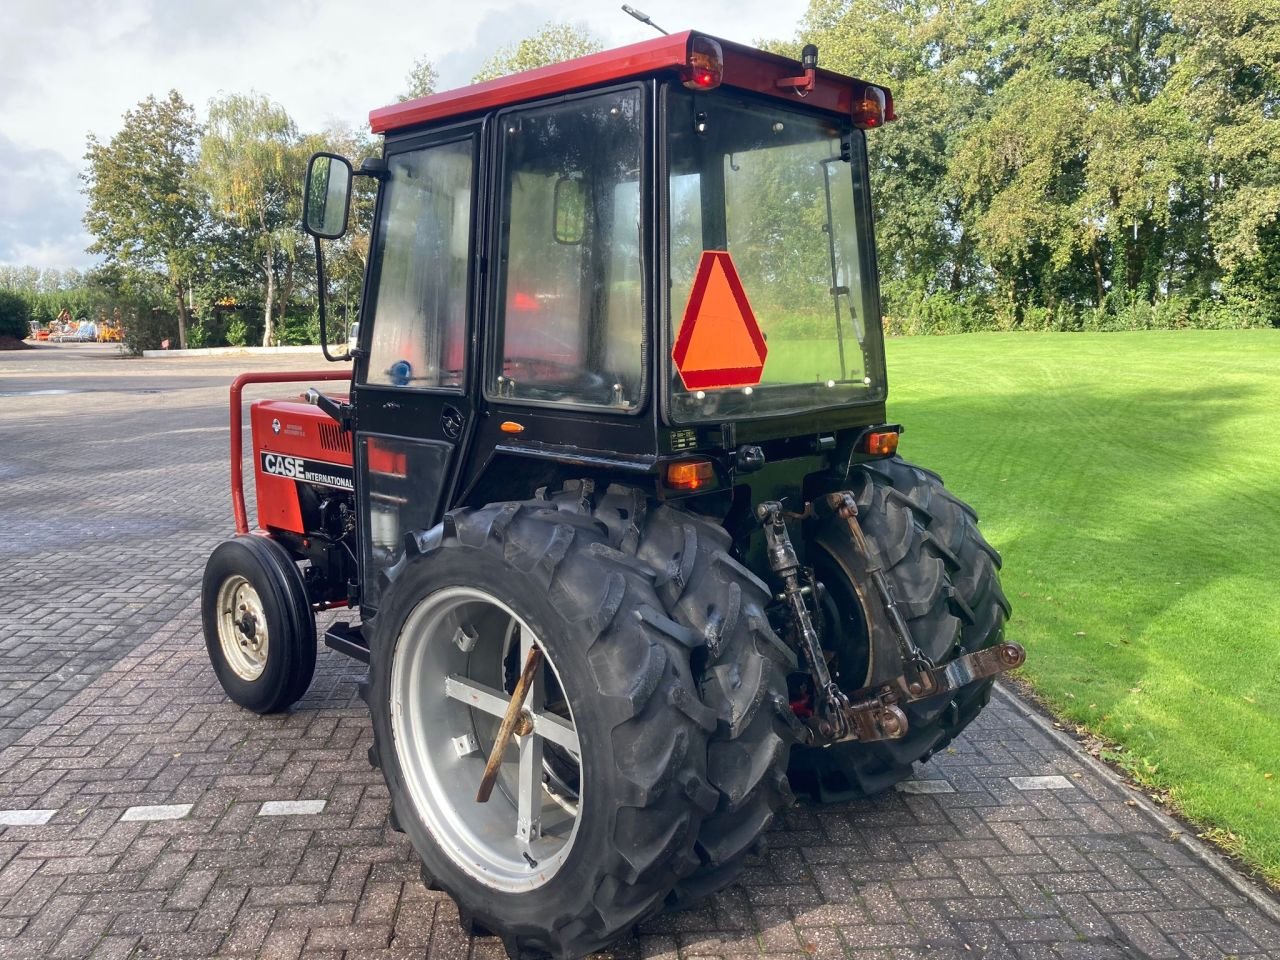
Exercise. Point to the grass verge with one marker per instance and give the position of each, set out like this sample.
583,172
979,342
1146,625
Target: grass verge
1132,482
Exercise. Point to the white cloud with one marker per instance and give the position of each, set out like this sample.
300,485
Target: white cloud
71,67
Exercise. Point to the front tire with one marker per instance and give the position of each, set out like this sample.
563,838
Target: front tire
259,628
944,576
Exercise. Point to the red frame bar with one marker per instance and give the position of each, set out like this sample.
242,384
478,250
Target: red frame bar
237,428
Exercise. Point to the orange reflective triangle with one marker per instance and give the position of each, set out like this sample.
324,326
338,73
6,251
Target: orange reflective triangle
719,343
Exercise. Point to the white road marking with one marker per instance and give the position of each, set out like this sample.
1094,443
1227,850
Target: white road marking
924,786
1042,783
25,818
160,811
290,808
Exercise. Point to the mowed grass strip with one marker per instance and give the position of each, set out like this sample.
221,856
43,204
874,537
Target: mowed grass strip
1132,483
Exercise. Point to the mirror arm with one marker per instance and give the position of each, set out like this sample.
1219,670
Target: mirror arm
374,167
320,291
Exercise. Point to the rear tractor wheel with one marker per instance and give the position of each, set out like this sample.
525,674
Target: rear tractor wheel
259,628
944,578
599,795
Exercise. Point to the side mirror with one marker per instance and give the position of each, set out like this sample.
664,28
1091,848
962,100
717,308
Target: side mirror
570,210
327,196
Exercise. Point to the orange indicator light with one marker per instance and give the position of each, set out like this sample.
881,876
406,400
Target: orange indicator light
882,444
690,475
510,426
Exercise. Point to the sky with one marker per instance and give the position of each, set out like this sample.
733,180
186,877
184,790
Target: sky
72,67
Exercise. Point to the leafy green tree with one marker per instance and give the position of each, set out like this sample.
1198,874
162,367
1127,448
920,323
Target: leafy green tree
252,164
421,81
923,52
14,314
144,209
553,43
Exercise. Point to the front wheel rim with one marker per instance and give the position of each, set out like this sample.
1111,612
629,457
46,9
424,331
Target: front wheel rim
451,679
242,628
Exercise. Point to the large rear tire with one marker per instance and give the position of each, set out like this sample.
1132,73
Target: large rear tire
740,666
621,814
944,576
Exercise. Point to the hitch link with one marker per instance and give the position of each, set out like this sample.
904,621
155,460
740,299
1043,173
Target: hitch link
874,717
832,703
920,678
917,673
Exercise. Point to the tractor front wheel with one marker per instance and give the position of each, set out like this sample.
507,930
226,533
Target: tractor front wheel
259,628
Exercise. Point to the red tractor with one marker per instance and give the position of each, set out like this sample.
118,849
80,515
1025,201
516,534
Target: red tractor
612,488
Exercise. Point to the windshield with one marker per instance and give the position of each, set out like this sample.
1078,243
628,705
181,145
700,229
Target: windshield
783,193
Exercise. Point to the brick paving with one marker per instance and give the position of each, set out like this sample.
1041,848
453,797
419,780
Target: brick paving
110,718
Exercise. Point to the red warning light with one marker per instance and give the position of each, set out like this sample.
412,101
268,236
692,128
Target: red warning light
719,344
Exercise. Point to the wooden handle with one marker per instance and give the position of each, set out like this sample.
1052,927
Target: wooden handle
531,666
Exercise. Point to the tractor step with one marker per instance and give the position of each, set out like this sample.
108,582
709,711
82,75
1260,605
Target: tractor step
347,639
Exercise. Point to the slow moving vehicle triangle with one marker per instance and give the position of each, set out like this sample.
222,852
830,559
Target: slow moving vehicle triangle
719,344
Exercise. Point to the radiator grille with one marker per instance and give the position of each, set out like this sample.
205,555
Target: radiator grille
333,437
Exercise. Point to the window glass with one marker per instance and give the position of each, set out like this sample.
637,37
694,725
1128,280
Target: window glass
779,190
571,313
420,269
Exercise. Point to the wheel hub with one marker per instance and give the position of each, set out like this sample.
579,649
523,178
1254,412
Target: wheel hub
242,628
450,688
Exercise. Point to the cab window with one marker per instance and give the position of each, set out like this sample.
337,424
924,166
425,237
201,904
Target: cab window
420,269
570,314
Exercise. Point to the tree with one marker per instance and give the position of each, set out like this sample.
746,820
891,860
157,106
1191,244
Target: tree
14,314
144,208
422,80
553,43
252,164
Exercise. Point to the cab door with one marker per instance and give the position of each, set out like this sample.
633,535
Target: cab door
412,406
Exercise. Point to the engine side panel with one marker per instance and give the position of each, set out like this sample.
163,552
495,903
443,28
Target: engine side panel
294,443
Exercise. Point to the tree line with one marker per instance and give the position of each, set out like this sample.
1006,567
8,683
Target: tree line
1068,165
198,223
1056,165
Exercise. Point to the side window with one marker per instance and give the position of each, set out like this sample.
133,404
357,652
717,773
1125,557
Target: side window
420,269
569,304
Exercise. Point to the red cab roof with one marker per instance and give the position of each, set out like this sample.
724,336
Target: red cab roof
744,67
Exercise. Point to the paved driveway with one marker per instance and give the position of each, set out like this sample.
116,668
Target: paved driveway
141,815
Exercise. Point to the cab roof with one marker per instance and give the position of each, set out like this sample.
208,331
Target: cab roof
744,67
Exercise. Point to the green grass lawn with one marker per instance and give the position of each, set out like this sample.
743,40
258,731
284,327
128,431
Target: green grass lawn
1132,482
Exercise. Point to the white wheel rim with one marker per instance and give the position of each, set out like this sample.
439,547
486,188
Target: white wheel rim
242,628
450,679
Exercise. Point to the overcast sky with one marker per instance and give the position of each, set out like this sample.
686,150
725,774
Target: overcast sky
71,67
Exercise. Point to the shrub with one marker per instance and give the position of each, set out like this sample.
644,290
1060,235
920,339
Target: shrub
15,314
299,329
197,336
237,333
147,329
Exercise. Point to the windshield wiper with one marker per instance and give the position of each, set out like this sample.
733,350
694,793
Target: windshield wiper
836,289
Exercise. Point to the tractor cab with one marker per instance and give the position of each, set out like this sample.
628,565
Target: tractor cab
611,487
658,264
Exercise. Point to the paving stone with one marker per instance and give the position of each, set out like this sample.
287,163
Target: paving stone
25,818
111,717
1051,782
163,811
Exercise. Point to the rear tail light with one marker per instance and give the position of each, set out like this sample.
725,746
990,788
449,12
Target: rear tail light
690,474
704,65
869,110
